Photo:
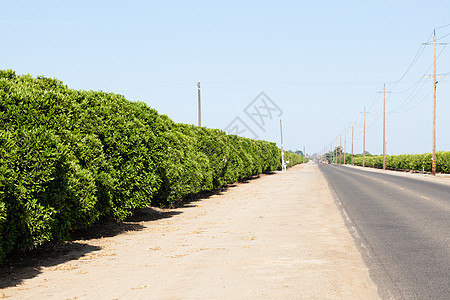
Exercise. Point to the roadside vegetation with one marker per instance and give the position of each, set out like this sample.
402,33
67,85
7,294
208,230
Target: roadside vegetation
70,158
416,162
404,162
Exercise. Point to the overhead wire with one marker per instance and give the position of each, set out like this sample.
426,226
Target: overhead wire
377,117
411,96
442,27
157,85
443,37
414,106
414,93
374,100
415,86
423,99
403,108
413,62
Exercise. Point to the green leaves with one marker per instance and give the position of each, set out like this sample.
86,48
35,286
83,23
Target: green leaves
416,162
70,158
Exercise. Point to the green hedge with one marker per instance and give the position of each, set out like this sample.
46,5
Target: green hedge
406,161
70,158
293,158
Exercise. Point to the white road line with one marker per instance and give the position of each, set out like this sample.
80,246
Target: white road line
346,215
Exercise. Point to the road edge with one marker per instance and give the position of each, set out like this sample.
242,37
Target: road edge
374,265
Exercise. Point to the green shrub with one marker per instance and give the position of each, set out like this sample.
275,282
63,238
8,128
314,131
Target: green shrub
416,162
70,158
443,162
293,158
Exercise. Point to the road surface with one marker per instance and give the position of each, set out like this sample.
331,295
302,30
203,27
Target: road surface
402,225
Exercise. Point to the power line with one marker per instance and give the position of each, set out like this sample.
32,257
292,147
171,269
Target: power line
415,91
442,27
414,106
424,98
413,62
443,37
417,82
375,120
157,85
414,84
373,102
410,97
288,83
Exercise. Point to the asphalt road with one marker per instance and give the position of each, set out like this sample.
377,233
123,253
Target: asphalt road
402,226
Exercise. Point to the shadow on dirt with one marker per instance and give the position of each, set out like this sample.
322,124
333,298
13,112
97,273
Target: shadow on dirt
21,266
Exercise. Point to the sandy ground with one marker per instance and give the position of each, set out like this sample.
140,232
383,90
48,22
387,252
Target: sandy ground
280,236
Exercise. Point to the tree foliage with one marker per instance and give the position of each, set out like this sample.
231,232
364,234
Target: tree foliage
417,162
70,158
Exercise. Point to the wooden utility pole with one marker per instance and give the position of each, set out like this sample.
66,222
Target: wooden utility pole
331,152
433,161
199,106
364,139
353,125
384,127
304,153
340,148
345,142
336,150
283,166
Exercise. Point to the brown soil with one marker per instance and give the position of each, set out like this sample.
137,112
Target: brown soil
280,236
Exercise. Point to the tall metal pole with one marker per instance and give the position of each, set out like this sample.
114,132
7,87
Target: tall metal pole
340,147
364,139
199,106
384,127
433,162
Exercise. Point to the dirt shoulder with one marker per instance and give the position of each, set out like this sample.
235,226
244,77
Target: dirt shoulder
280,236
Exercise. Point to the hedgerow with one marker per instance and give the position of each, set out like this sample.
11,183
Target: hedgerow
293,158
416,162
71,158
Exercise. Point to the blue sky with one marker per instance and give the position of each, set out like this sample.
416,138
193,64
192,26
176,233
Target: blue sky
321,62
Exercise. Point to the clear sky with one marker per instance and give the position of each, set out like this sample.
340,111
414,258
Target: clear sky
319,62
